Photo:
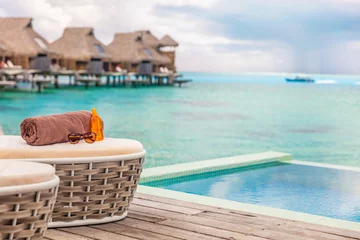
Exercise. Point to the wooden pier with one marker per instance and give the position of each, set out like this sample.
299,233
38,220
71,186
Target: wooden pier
152,217
39,80
40,83
5,83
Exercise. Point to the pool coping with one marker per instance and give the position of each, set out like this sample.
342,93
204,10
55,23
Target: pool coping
325,165
186,169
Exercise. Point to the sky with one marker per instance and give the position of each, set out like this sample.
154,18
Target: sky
308,36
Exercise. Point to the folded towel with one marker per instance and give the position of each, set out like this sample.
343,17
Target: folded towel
44,130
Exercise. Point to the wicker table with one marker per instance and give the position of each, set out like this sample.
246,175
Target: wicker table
97,181
27,198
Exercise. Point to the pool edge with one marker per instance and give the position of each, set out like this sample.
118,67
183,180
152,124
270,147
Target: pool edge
186,169
325,165
251,208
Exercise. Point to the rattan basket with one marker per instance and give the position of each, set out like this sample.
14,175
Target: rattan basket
25,210
94,189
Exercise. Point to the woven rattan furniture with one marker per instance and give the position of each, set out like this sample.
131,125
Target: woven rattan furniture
97,181
27,198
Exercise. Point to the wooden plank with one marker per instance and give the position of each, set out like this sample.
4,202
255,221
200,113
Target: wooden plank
216,224
272,228
145,217
229,212
273,225
241,218
165,206
154,211
197,206
305,225
133,232
95,233
240,227
255,220
274,235
55,234
339,232
142,210
164,230
214,232
152,217
200,220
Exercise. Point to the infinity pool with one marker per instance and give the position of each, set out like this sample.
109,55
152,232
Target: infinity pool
315,190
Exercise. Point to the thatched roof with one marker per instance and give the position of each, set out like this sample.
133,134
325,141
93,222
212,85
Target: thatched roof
20,38
10,23
148,38
79,43
131,47
168,41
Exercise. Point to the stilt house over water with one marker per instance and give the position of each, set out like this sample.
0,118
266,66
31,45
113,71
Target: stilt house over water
23,46
165,46
137,52
80,50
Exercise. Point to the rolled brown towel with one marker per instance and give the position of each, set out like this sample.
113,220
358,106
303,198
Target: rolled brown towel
45,130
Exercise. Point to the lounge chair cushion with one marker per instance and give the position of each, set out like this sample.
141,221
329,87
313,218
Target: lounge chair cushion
14,173
14,147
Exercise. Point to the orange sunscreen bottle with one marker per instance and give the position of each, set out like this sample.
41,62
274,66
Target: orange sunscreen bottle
96,125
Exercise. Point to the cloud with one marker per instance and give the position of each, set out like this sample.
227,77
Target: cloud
237,36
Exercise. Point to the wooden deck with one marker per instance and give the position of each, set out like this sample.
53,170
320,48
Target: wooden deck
153,217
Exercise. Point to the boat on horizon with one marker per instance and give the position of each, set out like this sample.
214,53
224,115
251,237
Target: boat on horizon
300,79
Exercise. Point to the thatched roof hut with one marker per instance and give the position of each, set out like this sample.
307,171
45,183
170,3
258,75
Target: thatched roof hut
79,47
19,35
79,43
133,48
168,41
23,42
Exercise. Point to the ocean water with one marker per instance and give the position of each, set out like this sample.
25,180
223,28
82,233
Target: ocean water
308,189
217,115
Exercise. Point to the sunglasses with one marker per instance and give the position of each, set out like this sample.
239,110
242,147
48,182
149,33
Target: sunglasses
89,137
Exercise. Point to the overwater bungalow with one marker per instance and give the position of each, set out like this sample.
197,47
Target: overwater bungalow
137,52
81,50
24,46
167,48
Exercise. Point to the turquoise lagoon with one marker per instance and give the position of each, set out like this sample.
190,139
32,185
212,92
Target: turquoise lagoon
217,115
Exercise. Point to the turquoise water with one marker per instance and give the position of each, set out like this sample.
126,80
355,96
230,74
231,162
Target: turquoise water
314,190
218,115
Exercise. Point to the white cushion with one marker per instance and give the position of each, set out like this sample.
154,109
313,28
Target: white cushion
14,173
14,147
